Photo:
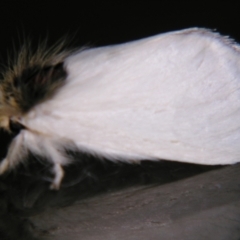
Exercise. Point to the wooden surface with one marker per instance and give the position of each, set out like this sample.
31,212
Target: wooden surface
206,206
108,201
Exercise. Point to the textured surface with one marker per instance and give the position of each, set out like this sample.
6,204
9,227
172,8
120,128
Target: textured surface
206,206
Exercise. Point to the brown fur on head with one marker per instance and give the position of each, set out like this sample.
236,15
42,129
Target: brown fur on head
30,78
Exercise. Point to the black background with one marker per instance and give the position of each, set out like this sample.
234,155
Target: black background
111,22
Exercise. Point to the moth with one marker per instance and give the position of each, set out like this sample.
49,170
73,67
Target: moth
174,96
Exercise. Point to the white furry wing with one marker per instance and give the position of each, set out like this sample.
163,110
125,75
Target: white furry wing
173,96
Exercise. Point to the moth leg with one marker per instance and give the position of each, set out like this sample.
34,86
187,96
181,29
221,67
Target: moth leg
14,154
58,176
4,165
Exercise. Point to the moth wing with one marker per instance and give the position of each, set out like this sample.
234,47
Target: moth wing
174,96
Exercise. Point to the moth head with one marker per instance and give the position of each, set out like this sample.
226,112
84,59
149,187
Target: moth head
29,79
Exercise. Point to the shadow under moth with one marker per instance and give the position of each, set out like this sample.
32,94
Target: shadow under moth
174,96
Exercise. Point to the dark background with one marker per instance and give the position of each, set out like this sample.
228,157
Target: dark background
94,24
109,22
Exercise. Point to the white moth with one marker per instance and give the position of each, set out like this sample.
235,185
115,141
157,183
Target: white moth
174,96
